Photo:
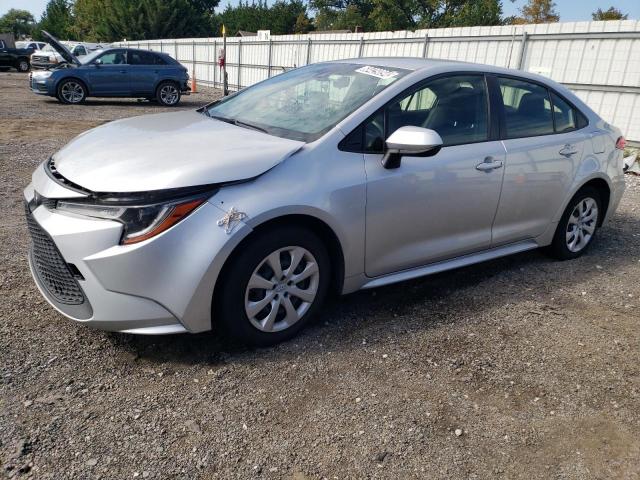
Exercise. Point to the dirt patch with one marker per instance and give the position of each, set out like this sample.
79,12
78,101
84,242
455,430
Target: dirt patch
523,367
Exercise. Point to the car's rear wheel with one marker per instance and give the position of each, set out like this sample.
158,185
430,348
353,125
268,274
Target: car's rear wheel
578,225
23,65
72,92
274,287
168,94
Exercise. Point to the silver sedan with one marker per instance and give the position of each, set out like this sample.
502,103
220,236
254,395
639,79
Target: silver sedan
245,214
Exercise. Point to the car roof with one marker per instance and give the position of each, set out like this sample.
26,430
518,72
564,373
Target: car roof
422,64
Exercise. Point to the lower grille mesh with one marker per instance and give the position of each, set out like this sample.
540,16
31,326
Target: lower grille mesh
50,267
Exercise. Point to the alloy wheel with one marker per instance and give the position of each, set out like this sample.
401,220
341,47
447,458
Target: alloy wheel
23,66
582,224
169,94
282,289
72,92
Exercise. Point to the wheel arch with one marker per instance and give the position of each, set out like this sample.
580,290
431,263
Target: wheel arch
72,77
604,190
164,80
601,184
305,220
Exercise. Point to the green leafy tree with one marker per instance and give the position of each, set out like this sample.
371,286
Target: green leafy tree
538,11
405,14
18,22
57,19
303,24
111,20
343,14
611,14
281,18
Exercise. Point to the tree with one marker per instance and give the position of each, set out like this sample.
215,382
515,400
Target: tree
611,14
343,14
86,14
303,24
405,14
56,19
18,22
539,11
282,18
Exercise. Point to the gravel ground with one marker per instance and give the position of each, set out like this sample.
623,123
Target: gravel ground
522,367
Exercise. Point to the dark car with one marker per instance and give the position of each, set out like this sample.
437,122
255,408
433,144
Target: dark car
17,58
113,72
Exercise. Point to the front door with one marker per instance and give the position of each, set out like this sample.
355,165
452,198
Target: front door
433,208
110,76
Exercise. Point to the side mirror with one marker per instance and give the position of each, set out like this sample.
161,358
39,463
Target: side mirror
413,141
97,63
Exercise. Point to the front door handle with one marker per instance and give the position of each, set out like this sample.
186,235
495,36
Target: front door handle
489,164
123,71
568,150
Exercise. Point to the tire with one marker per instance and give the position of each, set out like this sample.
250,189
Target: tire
578,225
168,94
23,65
71,92
283,313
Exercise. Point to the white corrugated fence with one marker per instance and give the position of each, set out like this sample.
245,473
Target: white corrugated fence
600,61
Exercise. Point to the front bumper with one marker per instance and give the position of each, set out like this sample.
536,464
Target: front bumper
41,86
162,285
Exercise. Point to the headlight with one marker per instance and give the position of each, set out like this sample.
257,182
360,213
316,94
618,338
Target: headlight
53,59
140,222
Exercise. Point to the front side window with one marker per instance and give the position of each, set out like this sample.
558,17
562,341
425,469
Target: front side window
454,106
527,108
305,103
114,57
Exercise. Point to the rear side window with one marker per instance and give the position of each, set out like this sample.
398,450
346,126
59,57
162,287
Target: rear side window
145,58
527,108
564,114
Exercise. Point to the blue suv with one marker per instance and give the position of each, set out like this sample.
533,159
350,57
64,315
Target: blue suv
113,72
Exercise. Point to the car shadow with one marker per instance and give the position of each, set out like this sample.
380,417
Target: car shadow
409,307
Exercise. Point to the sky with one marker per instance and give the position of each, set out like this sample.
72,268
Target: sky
570,10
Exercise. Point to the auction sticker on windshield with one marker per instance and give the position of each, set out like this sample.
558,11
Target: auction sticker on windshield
377,72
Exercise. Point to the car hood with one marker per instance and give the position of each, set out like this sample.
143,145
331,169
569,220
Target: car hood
168,150
61,49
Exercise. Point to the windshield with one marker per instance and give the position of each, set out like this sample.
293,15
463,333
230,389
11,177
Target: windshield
305,103
48,48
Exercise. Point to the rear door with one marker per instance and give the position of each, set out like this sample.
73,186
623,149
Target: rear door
111,76
544,145
146,69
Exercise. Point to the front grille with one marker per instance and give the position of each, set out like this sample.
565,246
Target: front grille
50,267
37,58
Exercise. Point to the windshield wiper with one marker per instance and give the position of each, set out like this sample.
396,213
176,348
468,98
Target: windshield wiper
233,121
249,125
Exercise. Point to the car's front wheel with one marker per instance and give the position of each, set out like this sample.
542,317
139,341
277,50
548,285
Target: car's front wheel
578,225
168,94
274,286
71,92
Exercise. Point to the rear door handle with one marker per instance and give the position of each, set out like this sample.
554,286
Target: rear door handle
489,164
123,71
568,150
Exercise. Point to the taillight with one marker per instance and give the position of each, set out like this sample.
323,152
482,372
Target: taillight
621,144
